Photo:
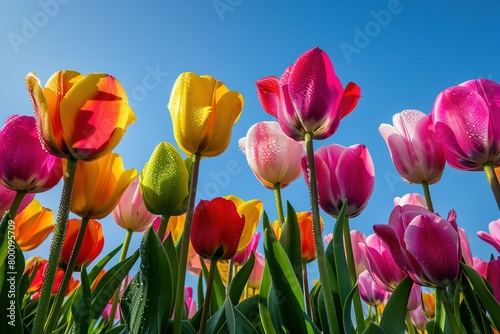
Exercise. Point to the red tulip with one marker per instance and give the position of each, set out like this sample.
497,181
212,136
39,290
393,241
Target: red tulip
36,283
216,229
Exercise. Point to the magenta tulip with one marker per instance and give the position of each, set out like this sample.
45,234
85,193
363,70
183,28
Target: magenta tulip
493,277
467,121
241,258
24,164
371,292
343,174
494,237
309,97
7,197
424,245
411,199
416,153
273,157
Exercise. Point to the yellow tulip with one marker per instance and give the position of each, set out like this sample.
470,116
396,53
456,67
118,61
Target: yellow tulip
175,226
203,112
99,185
33,225
252,210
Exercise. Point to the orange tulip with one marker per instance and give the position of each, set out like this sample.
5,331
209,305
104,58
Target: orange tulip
33,225
306,236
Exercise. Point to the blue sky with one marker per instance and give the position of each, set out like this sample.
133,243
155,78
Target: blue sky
401,54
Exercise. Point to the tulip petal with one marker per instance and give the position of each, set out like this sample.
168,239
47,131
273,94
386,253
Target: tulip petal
268,91
352,93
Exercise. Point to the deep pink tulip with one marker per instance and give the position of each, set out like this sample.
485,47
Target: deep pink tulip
371,292
411,199
272,155
241,258
7,197
493,277
190,302
467,121
380,263
416,153
343,173
131,212
308,97
24,164
494,237
424,245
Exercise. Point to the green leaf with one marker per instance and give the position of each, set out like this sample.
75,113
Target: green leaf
82,312
471,312
373,328
393,318
291,242
237,322
99,266
347,311
239,282
342,270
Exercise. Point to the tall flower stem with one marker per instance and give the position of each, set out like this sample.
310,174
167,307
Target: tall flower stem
493,181
427,194
61,292
230,267
448,307
179,297
279,203
163,227
56,247
358,309
318,240
440,315
208,294
306,290
16,203
123,256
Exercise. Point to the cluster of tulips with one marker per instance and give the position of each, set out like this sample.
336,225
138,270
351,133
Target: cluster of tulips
414,274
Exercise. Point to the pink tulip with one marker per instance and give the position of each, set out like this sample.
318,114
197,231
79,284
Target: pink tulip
380,263
411,199
418,318
494,237
190,302
24,164
272,156
416,153
7,197
493,277
257,271
328,238
415,298
371,292
357,238
480,266
465,247
467,121
424,245
308,97
131,212
241,258
343,173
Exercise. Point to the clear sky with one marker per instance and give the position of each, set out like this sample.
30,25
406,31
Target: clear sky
401,54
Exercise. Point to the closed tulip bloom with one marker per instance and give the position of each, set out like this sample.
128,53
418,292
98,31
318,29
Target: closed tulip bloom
164,181
309,97
424,245
493,277
241,258
356,238
371,292
257,271
131,213
273,156
92,244
24,164
306,235
466,119
83,116
411,199
415,151
203,112
217,228
343,173
7,197
33,225
99,185
494,237
252,211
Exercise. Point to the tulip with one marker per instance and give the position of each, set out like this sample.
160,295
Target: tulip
306,236
343,174
465,247
480,266
175,226
33,225
190,302
203,112
416,153
83,116
493,277
429,304
309,97
164,181
370,291
131,212
466,121
241,258
92,243
418,318
99,185
424,245
7,197
24,164
494,237
257,271
252,211
357,238
411,199
217,228
40,265
273,157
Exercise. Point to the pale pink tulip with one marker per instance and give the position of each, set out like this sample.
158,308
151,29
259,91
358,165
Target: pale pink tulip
480,266
357,238
465,247
416,153
467,121
411,199
343,173
273,157
308,97
371,292
418,318
494,237
257,271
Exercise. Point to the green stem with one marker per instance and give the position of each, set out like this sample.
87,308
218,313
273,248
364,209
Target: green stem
358,309
179,297
230,266
16,203
279,203
409,323
439,318
427,194
56,247
318,240
448,307
306,290
493,181
68,273
208,294
163,227
116,296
